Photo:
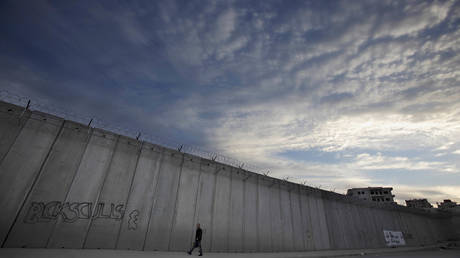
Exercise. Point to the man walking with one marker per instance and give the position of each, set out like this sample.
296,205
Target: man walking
197,243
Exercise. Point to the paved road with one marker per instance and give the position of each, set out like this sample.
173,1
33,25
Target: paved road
94,253
438,253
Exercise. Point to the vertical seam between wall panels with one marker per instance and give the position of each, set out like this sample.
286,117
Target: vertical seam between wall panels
270,213
327,218
34,181
375,241
358,224
100,191
314,235
243,225
344,212
157,176
361,214
350,216
198,193
88,138
292,221
281,220
380,229
15,138
173,223
302,226
403,222
129,193
374,226
230,210
213,207
341,208
257,214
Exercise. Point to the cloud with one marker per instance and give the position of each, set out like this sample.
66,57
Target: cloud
374,82
411,19
225,25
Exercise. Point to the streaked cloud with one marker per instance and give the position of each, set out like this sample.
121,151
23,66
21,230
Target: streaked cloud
335,93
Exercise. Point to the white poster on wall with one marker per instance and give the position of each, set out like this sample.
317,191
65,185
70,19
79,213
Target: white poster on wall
394,238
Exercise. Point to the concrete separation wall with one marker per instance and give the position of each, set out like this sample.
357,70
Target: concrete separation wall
65,185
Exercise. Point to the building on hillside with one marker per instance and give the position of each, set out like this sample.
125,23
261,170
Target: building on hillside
372,194
418,203
447,205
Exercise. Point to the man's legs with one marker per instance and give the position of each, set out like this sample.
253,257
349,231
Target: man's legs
199,245
195,244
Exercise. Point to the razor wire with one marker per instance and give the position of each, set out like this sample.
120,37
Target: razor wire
46,106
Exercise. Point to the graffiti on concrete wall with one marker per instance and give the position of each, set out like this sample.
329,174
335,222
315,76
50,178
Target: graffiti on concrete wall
133,220
70,212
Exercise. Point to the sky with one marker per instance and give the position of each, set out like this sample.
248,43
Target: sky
334,94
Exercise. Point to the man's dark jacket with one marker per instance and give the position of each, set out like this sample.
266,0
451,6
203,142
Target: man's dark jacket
198,234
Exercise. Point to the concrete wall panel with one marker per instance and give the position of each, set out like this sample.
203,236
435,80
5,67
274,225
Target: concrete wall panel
183,226
219,241
429,230
21,166
335,214
413,225
297,220
322,225
406,229
286,218
140,202
455,226
336,222
396,220
364,225
438,233
417,233
35,225
307,216
432,237
84,191
276,226
434,227
384,222
111,202
358,226
235,240
349,225
370,231
250,233
161,217
353,225
264,214
388,221
12,119
423,232
205,206
377,219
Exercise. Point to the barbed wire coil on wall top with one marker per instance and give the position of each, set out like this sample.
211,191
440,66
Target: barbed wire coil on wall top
46,107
